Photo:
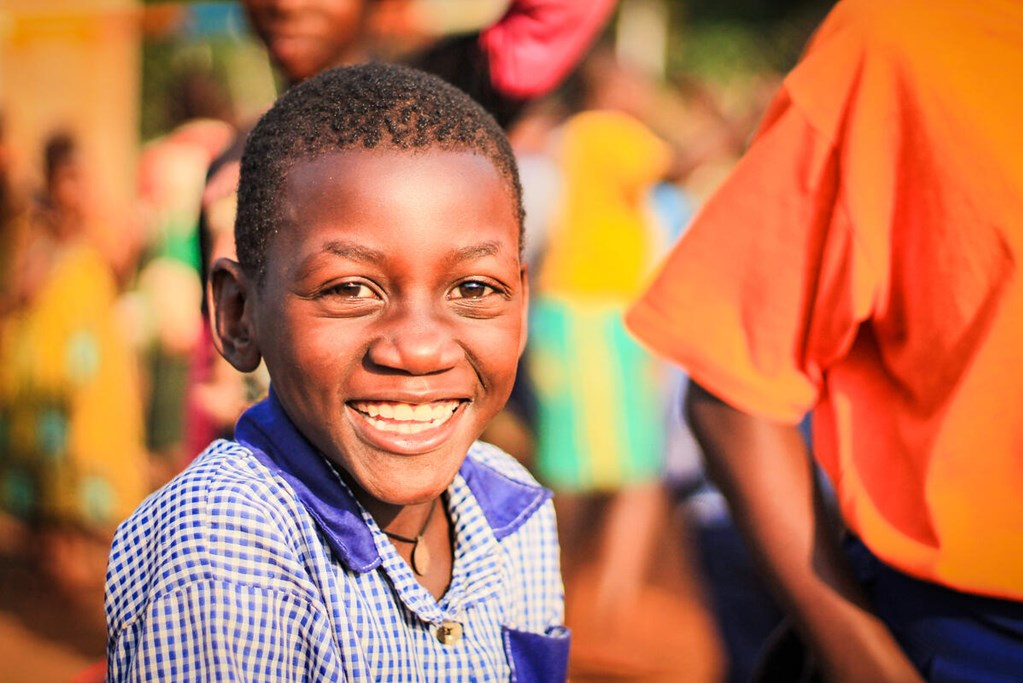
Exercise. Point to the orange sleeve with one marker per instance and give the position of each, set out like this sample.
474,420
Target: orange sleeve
768,284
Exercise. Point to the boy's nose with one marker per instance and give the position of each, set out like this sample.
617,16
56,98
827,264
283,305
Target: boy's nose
416,343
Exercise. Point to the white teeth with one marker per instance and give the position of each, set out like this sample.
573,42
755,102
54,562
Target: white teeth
407,418
404,427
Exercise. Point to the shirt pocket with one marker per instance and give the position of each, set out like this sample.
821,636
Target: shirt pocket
537,657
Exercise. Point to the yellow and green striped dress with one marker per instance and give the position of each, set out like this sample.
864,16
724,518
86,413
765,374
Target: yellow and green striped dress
600,422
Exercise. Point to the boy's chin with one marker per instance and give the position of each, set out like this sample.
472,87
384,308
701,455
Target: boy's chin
400,479
407,491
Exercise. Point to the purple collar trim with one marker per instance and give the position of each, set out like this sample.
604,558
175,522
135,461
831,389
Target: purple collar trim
271,436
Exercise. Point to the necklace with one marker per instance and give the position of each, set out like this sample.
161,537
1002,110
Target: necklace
420,553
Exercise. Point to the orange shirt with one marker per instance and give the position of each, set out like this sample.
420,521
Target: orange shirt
863,260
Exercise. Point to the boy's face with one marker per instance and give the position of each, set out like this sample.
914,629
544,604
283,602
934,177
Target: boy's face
392,312
305,37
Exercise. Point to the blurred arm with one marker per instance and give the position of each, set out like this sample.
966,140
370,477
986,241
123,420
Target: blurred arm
765,472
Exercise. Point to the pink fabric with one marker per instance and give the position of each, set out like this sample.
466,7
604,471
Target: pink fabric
537,42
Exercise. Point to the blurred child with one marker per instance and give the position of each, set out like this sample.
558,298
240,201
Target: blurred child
172,174
601,417
70,424
355,528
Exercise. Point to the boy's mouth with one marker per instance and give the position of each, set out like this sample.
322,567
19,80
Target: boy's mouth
405,418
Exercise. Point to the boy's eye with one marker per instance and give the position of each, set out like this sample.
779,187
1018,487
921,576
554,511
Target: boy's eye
471,290
350,290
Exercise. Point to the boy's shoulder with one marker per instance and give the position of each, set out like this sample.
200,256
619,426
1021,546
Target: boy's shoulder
226,471
224,507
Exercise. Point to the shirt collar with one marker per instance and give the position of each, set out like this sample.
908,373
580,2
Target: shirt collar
268,432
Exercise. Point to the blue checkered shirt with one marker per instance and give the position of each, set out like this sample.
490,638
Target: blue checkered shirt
257,564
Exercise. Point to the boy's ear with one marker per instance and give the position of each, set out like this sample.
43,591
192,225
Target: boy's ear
524,277
230,301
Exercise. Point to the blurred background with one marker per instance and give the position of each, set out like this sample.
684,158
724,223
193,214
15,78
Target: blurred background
111,112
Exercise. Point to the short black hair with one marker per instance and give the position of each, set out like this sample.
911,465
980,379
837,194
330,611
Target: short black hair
365,106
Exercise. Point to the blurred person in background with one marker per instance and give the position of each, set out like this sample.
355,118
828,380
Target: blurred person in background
600,397
72,461
862,261
172,174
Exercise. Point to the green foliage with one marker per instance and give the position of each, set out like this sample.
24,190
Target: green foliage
165,63
721,40
229,77
198,58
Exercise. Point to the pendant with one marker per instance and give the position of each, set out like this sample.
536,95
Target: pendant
420,557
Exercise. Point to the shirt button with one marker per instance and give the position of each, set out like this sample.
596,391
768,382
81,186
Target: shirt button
449,632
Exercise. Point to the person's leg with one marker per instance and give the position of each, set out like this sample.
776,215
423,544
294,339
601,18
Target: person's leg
633,531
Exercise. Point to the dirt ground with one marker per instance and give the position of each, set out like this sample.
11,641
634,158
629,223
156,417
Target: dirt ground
47,636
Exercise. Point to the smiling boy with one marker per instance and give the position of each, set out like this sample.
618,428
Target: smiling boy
355,529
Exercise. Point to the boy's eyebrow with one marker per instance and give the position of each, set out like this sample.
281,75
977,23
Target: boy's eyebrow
359,252
475,251
354,251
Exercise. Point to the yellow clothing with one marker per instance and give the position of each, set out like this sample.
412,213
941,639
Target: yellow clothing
599,418
601,239
70,415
